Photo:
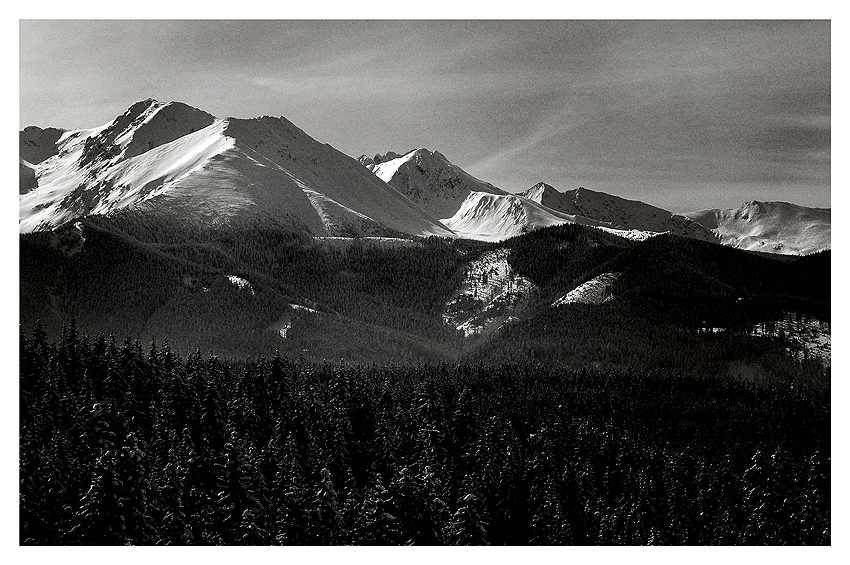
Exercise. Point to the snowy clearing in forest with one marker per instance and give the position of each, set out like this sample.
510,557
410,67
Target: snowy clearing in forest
634,235
342,242
284,329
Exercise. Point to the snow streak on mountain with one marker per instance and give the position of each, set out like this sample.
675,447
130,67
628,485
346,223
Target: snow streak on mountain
176,161
774,227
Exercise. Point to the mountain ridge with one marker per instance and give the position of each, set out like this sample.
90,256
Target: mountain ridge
617,212
172,160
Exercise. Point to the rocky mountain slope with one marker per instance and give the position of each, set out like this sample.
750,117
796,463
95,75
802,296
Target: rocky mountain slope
36,145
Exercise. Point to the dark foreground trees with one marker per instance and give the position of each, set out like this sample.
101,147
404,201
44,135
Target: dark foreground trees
121,444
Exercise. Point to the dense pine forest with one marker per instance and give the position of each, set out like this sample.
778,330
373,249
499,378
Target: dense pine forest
128,444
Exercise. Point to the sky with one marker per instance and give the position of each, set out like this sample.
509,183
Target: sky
685,115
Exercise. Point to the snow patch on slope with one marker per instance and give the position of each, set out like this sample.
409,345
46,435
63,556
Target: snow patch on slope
240,283
595,291
284,328
387,169
634,235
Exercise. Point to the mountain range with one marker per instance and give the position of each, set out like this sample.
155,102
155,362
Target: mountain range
172,160
244,236
774,227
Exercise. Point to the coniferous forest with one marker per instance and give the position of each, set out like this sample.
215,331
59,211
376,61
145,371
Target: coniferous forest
163,404
125,444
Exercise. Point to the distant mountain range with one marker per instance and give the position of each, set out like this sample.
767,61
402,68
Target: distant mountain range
475,209
170,160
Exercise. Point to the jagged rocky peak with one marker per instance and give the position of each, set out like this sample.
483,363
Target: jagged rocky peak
145,125
365,160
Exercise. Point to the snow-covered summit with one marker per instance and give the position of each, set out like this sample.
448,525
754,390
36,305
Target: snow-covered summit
429,179
170,159
773,227
493,217
127,161
541,192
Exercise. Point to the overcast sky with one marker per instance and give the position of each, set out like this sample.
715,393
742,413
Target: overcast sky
682,115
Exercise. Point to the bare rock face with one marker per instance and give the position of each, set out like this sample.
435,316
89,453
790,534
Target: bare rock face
36,145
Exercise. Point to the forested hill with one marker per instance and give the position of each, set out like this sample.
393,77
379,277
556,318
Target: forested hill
252,290
121,444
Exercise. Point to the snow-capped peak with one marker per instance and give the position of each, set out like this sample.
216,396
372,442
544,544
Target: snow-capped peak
429,179
493,217
540,191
